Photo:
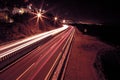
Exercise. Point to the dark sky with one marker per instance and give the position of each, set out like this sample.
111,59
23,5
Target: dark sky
103,11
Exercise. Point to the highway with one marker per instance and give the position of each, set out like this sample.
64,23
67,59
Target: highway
38,56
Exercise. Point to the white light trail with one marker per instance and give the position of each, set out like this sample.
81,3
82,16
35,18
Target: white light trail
28,41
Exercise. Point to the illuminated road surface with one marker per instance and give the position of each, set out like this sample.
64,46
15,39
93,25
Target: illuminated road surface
38,64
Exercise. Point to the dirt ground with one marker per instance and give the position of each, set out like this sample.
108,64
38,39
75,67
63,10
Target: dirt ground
83,54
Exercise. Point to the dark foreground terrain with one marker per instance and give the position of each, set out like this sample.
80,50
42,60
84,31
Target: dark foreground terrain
94,58
106,33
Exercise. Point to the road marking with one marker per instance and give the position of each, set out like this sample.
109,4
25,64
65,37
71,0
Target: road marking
59,67
63,73
51,69
25,71
55,63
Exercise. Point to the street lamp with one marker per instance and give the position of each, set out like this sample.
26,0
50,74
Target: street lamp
55,18
64,21
39,15
21,11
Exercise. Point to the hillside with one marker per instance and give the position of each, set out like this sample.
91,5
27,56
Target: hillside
25,26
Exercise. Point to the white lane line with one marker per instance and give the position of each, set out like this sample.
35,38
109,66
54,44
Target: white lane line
56,61
25,71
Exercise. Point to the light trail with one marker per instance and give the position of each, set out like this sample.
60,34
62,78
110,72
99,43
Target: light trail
39,62
29,41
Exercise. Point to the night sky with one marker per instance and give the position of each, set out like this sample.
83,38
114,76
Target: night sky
100,11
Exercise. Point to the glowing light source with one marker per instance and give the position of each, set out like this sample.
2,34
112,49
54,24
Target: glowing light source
65,26
40,10
64,21
21,11
55,18
39,15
